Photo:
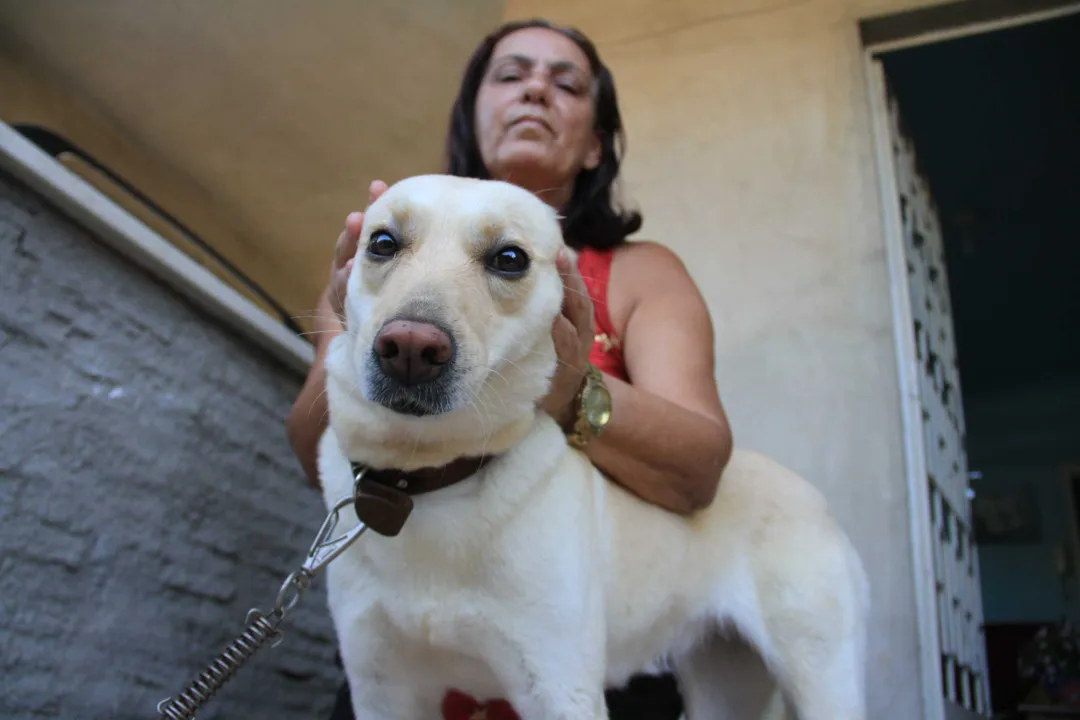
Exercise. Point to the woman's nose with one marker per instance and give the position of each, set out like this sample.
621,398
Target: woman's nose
538,88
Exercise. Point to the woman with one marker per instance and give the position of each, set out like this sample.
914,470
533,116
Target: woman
538,108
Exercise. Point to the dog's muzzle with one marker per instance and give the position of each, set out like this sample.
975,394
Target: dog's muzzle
413,362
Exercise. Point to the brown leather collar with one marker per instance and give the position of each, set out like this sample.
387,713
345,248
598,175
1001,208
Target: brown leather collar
424,480
384,498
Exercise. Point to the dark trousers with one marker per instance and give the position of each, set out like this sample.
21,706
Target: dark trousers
646,697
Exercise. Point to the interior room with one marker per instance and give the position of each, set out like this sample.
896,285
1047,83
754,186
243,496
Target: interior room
993,119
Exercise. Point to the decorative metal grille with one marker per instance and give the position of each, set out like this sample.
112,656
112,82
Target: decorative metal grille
956,561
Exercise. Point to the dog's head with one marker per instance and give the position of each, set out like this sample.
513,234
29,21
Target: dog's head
449,311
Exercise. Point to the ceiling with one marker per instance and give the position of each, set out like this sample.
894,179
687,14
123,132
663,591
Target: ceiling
258,123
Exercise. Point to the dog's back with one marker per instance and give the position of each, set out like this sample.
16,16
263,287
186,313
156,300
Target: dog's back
764,555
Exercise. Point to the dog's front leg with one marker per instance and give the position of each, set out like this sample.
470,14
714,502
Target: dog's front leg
559,688
552,668
384,692
378,700
378,670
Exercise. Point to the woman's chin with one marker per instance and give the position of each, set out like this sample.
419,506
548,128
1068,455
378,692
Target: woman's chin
527,162
546,184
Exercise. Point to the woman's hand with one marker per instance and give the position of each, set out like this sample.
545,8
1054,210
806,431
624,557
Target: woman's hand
308,417
574,335
345,252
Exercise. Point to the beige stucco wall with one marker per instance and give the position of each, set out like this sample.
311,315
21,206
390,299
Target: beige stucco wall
751,155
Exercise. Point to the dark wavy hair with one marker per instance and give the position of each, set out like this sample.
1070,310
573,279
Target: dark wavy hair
590,219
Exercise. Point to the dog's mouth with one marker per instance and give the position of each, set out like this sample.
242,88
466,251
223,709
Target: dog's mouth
435,398
404,405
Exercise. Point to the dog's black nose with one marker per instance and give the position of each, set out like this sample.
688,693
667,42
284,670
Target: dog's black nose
412,352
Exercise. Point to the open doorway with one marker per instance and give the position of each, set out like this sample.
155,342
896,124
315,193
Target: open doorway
989,126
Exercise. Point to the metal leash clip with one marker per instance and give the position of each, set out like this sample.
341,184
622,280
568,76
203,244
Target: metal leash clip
262,628
323,550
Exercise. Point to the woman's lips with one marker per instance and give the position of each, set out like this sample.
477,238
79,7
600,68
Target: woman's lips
531,121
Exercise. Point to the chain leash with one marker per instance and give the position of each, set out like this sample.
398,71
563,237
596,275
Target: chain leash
262,628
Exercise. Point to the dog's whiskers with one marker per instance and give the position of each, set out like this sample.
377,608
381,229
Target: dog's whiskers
416,445
499,374
485,427
482,400
307,333
558,360
484,387
579,293
315,315
484,424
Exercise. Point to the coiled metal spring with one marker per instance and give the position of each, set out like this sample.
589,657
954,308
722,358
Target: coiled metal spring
261,627
259,630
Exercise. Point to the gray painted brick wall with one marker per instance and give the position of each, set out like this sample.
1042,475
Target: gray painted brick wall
148,497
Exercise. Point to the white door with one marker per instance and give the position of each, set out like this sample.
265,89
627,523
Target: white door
942,535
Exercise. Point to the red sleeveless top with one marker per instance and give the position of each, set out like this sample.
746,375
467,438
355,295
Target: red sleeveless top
606,354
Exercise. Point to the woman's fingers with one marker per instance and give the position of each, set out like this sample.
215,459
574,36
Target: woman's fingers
577,306
339,280
567,340
345,248
375,190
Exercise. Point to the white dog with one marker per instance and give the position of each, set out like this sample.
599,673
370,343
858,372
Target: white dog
534,578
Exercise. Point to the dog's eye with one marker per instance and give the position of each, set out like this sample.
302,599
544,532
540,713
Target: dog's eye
508,260
382,244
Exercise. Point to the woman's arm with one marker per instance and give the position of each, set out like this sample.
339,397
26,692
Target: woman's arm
668,439
307,420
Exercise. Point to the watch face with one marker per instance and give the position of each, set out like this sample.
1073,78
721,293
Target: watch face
596,406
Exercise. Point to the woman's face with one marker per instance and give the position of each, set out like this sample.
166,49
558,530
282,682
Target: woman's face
534,112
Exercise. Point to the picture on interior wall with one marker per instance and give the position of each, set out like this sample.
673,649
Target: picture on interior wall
1007,516
1072,495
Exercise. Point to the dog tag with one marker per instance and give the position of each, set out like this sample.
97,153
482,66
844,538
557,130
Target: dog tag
382,508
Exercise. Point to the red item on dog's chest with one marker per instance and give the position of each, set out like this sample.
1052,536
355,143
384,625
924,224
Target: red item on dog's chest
456,705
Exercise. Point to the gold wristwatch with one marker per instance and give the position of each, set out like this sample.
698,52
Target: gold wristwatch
592,410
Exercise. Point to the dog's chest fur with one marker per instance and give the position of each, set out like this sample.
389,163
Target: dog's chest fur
522,558
476,564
